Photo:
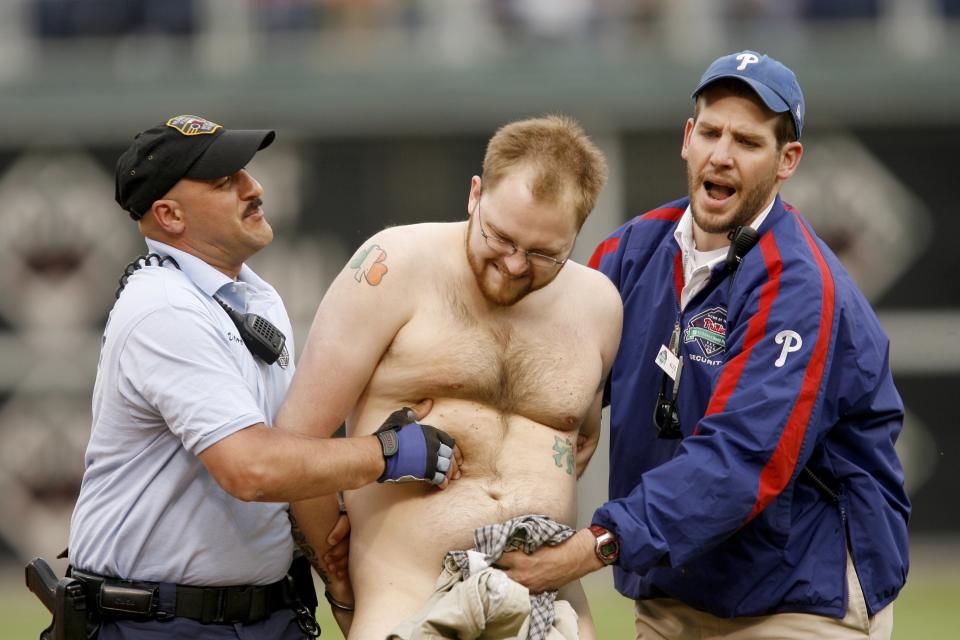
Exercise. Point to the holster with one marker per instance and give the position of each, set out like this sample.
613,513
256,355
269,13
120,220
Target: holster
303,583
77,612
64,599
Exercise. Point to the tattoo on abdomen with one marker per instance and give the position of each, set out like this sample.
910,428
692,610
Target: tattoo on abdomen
564,453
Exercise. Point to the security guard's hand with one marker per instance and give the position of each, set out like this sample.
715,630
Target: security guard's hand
552,566
417,452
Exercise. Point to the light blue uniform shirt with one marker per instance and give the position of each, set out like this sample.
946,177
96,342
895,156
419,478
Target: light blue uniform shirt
175,378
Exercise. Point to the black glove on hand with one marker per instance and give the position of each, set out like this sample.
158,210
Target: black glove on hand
413,451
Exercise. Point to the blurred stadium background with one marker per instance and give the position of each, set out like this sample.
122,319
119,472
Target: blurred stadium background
383,108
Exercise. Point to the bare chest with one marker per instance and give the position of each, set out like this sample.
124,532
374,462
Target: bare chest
546,369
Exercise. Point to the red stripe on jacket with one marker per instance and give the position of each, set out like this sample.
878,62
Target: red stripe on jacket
671,214
678,274
756,328
779,469
607,246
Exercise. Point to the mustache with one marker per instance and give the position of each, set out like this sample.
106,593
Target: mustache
254,204
718,178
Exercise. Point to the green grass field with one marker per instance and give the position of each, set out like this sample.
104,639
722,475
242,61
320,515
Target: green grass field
923,611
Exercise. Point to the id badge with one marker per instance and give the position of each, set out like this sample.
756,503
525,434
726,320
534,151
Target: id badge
667,361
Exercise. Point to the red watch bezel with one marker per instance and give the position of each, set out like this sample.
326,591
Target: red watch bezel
606,546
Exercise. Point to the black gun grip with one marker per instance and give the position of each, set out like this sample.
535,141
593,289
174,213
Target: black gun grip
43,582
64,599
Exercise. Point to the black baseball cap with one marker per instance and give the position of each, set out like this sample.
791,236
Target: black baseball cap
182,147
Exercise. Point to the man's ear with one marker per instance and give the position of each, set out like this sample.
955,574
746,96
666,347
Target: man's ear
473,197
168,215
789,159
687,130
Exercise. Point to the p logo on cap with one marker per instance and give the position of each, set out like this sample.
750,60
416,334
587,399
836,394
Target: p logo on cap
773,82
745,59
192,125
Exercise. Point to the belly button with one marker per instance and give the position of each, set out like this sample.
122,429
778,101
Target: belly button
494,495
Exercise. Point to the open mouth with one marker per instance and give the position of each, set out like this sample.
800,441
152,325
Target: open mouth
717,190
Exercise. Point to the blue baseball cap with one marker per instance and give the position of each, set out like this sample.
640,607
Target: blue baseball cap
776,85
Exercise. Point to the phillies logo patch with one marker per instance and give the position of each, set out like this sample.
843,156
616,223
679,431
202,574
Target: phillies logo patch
192,125
709,330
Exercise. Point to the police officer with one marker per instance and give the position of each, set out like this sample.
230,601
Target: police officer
181,526
755,490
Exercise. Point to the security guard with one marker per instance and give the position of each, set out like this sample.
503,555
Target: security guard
755,491
181,526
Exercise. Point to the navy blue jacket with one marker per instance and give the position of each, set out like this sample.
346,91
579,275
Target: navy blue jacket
784,366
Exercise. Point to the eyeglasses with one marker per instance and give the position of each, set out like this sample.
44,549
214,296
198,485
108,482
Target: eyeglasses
507,248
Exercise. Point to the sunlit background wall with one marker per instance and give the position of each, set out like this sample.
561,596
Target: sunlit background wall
383,108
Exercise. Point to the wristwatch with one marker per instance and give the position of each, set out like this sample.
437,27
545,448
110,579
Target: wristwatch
607,548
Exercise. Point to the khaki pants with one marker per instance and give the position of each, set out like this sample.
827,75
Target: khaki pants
668,619
488,605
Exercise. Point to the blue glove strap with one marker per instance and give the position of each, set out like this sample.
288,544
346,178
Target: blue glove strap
410,461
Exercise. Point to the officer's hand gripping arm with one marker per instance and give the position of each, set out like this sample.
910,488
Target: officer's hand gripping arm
414,451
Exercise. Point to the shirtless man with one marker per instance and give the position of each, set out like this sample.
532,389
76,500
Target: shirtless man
511,341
